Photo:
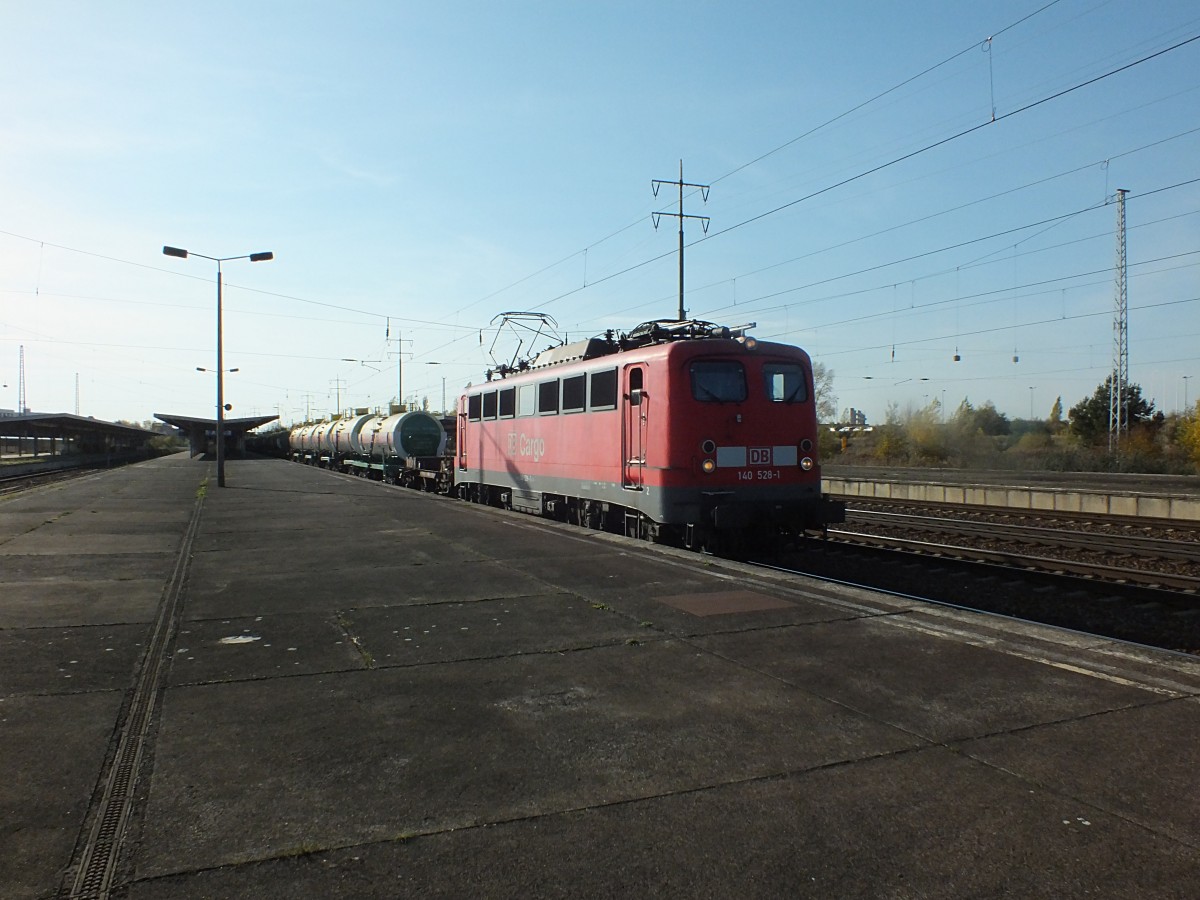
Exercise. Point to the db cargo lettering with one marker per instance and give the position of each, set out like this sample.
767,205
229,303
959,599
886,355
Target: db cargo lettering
524,446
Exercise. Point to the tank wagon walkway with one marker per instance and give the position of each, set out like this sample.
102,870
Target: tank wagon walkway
310,685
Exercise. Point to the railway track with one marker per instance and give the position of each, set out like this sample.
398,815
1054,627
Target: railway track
1131,580
1104,555
13,484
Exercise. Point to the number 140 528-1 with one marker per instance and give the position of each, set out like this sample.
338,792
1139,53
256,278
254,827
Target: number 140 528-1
759,475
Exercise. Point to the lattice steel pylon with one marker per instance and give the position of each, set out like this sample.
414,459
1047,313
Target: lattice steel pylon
1118,386
22,406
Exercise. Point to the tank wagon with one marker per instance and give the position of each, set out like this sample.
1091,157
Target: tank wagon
405,448
685,432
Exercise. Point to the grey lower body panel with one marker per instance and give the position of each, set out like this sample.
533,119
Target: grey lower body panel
737,508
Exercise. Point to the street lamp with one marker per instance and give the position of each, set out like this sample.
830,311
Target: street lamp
253,257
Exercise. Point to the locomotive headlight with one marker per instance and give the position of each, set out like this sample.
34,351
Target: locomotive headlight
748,342
708,448
709,466
806,464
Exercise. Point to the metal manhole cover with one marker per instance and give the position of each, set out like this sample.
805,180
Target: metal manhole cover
724,602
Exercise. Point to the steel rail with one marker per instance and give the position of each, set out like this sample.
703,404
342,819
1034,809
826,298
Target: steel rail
1097,542
861,504
1096,571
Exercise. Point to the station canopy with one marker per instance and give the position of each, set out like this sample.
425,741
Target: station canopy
82,432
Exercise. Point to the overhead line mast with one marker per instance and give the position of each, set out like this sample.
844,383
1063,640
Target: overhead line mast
1118,388
681,184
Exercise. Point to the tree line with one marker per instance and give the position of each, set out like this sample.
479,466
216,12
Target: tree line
972,436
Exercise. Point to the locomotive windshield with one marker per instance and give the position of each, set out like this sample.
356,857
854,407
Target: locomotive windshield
718,381
784,382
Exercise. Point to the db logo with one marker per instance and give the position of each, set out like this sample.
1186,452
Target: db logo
760,456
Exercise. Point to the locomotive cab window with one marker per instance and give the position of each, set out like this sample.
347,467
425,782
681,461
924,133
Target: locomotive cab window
718,381
508,403
474,407
548,398
489,405
785,383
573,393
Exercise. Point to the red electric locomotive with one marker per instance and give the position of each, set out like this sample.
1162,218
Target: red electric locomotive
683,432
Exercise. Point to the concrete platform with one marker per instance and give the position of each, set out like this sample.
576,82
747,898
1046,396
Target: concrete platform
1167,497
372,692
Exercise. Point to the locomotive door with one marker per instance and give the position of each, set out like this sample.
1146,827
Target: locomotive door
633,431
461,438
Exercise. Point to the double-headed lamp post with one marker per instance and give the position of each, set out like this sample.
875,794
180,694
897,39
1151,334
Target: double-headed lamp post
253,257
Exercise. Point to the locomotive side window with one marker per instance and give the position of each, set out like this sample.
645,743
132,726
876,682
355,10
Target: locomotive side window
718,381
474,407
489,405
525,400
784,383
604,390
573,393
548,398
508,403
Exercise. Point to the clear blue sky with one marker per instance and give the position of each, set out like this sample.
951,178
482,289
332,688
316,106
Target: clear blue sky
435,164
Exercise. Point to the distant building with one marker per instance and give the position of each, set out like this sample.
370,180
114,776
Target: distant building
854,417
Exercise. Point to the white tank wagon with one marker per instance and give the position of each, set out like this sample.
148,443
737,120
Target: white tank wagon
301,441
322,446
381,447
391,448
414,434
369,444
344,434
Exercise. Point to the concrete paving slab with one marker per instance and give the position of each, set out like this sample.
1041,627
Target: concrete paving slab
446,632
409,545
255,769
51,750
1141,764
13,524
85,522
75,660
927,824
61,601
216,650
221,589
668,589
47,543
60,567
954,692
